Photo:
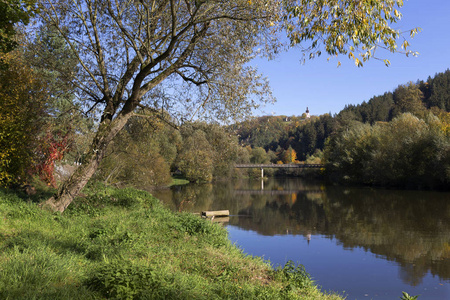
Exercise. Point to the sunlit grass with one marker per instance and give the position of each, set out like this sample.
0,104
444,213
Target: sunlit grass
179,181
123,244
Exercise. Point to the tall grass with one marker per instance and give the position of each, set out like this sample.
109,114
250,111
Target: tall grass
122,244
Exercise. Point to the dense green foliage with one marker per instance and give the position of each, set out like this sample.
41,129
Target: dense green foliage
408,152
39,120
208,151
141,155
122,244
50,56
13,12
147,151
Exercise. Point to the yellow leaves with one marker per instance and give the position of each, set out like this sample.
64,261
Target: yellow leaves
290,156
349,26
414,31
21,114
405,44
397,14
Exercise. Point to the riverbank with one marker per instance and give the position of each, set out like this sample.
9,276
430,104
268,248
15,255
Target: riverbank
122,243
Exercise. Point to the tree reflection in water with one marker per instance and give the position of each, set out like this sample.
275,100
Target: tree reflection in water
411,228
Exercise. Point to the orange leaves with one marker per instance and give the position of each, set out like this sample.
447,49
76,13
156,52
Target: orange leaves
289,156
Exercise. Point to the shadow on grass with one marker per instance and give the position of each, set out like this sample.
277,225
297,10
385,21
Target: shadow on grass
33,239
34,194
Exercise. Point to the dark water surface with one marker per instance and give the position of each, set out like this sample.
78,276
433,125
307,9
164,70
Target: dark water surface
364,243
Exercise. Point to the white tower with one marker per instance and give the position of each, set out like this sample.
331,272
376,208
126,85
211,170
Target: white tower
307,113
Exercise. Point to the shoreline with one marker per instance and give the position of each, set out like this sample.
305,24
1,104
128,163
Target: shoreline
158,254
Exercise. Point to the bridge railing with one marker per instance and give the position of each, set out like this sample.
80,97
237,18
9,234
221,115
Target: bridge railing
316,166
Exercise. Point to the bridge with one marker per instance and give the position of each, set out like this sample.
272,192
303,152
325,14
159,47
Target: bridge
317,166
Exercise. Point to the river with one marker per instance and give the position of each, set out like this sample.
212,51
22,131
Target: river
360,242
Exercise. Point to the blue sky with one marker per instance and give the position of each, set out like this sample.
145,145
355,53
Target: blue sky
324,88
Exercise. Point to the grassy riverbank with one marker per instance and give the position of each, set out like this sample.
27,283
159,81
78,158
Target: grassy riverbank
121,243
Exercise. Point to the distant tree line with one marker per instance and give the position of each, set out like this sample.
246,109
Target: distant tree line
434,93
278,134
305,136
360,133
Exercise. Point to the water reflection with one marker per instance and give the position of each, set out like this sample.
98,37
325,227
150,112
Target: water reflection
411,228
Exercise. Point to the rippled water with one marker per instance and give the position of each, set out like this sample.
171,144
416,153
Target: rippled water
364,243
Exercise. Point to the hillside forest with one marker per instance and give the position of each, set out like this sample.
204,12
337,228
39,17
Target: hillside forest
400,138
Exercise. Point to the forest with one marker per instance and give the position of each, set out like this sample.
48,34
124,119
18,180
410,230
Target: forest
400,138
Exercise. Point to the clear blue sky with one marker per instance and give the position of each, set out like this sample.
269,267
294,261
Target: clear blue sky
324,88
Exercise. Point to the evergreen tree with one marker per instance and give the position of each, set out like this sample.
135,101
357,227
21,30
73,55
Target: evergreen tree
408,98
440,91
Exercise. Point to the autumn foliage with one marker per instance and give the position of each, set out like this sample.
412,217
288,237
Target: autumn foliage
51,149
22,111
28,144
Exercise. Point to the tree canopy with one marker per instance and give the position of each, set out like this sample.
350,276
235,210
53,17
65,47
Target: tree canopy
22,115
13,12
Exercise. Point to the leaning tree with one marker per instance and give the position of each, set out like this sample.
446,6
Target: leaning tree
186,58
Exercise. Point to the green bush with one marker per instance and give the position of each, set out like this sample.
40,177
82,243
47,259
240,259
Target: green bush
294,275
408,152
121,280
193,225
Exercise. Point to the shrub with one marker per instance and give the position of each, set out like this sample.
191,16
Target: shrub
295,276
408,152
193,224
121,280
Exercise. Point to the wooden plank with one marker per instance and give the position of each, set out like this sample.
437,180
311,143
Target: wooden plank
215,213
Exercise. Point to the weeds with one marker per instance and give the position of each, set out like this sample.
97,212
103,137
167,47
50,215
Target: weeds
121,280
406,296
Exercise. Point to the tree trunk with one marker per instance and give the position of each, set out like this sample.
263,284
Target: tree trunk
70,188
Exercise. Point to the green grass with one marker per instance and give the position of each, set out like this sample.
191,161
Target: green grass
122,244
179,181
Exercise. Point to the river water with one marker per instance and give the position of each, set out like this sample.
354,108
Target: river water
360,242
